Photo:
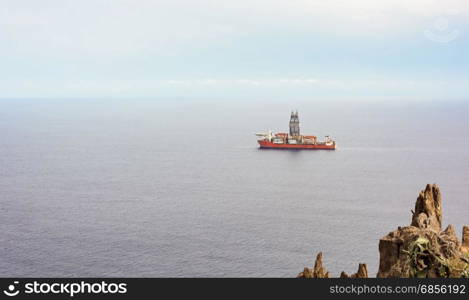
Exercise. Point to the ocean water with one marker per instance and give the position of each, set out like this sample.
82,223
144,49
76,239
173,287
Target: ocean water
178,188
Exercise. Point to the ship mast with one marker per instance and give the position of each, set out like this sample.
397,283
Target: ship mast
294,124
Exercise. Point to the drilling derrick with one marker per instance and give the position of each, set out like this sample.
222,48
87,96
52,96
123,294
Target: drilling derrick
294,125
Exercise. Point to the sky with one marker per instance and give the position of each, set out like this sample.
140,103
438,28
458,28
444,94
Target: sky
302,49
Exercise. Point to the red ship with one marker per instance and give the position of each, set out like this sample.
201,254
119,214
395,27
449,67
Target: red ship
294,140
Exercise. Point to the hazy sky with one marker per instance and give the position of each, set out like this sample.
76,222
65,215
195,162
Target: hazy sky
228,49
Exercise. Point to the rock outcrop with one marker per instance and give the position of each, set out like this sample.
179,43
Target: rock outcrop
361,273
427,212
419,250
318,270
422,249
465,240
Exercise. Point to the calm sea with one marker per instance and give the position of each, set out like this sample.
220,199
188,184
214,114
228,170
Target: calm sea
179,188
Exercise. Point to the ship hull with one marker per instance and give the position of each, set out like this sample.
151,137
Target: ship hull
270,145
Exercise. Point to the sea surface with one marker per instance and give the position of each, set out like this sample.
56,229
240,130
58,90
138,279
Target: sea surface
177,187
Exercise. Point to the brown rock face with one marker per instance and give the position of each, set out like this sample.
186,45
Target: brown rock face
465,239
422,249
396,251
427,212
317,272
361,273
418,250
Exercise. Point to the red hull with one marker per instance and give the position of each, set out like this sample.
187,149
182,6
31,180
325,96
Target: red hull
270,145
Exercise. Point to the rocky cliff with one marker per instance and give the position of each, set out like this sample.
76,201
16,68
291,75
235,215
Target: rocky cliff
422,249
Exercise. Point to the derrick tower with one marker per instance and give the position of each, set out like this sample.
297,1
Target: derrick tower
294,124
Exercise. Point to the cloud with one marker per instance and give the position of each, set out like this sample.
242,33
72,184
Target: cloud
240,81
55,47
243,88
63,27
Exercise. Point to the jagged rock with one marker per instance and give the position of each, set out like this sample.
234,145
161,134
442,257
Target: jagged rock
465,239
449,231
427,213
320,272
307,273
399,248
450,244
361,273
317,272
418,250
422,249
393,263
